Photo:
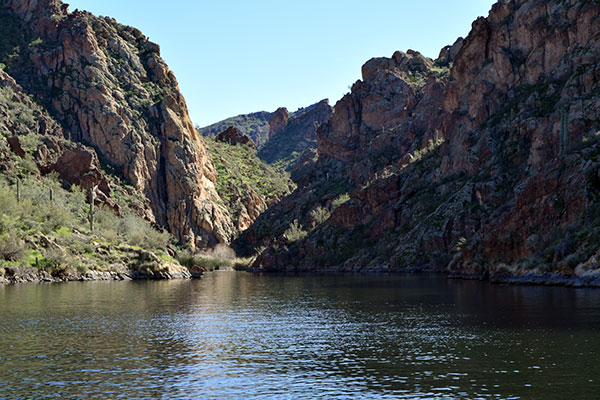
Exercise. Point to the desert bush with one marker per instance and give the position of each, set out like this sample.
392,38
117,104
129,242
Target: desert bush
319,215
242,264
138,232
205,262
11,247
221,251
56,217
295,232
341,199
8,200
55,261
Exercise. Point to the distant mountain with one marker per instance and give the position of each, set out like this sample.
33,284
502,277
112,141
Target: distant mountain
280,136
254,125
291,134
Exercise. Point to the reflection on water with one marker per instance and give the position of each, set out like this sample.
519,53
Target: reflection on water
236,335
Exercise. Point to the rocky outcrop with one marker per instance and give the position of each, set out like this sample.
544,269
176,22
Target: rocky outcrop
278,121
249,205
233,136
74,163
482,163
108,87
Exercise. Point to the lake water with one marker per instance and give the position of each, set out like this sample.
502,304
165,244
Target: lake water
234,335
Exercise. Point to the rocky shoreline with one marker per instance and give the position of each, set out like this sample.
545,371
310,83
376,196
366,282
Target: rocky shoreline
45,277
576,281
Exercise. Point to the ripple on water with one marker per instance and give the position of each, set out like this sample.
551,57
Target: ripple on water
235,335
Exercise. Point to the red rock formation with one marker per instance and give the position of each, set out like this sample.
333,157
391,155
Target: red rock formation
233,136
74,163
476,170
278,122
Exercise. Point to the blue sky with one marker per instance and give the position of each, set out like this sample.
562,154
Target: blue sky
235,57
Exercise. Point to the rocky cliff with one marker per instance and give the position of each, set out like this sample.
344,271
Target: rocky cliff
108,88
482,163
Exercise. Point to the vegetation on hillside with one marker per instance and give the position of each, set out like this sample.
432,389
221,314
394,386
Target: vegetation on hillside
283,150
47,228
238,166
45,222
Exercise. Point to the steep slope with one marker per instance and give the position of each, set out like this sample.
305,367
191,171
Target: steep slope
45,231
254,125
489,169
107,86
246,184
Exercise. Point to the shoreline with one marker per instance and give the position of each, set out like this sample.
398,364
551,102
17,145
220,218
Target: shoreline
590,281
546,279
91,276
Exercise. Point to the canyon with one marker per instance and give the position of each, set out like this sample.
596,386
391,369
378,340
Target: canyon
482,163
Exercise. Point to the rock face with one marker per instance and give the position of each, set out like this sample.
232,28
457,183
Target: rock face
278,122
74,163
233,136
108,87
293,133
482,163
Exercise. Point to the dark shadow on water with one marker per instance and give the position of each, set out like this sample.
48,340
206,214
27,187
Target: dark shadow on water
238,335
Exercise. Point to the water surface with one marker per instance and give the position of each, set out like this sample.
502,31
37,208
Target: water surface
237,335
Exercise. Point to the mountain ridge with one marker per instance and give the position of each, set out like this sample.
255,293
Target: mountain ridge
439,162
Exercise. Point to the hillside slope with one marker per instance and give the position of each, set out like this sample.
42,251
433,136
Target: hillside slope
108,88
45,228
482,163
291,134
282,137
246,184
254,125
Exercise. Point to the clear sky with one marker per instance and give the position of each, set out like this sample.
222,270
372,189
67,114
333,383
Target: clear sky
234,57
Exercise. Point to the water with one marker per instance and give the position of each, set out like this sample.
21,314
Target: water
237,335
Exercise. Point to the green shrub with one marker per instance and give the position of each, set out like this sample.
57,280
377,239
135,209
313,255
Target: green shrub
55,261
319,215
295,232
138,232
341,199
204,262
11,247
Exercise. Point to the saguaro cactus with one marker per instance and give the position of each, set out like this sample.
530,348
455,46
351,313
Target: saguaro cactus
92,197
564,130
18,190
